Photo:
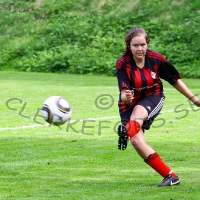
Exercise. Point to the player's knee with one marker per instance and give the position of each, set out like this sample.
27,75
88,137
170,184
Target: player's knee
132,127
136,143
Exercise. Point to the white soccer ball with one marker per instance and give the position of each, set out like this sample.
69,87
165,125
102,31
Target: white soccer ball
56,110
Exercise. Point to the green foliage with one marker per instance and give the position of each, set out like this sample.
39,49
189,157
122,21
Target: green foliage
87,36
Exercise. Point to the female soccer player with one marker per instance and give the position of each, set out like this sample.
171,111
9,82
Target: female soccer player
141,99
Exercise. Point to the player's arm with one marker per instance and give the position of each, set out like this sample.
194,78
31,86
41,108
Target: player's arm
127,95
183,89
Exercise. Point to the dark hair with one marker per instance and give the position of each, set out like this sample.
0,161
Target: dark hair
132,33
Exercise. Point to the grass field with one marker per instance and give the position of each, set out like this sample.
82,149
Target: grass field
80,159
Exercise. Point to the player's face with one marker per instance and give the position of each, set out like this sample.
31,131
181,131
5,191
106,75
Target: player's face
138,47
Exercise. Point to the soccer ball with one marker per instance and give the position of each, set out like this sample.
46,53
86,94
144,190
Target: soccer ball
56,110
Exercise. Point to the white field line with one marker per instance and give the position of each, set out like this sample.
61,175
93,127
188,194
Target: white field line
89,119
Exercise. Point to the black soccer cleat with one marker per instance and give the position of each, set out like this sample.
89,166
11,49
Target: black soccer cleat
123,137
169,181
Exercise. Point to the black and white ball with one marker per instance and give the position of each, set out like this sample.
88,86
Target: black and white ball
56,110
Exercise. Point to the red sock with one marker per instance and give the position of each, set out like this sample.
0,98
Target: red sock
133,127
158,165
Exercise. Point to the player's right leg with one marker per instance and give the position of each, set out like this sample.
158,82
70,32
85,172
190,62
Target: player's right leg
122,130
123,137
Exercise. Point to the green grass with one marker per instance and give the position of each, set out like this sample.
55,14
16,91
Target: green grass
81,161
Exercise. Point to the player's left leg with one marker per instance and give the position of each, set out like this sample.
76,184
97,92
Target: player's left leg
140,113
153,160
170,178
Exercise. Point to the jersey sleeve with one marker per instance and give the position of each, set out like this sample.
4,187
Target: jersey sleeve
168,72
122,75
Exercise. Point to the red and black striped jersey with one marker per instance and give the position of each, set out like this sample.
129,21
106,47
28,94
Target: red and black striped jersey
145,81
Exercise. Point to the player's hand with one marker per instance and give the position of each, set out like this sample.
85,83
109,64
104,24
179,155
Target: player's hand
129,95
197,103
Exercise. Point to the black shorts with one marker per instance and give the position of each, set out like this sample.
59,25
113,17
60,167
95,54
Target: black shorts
153,104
